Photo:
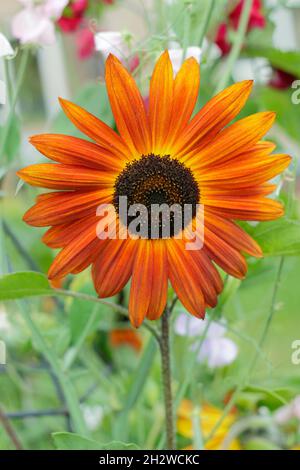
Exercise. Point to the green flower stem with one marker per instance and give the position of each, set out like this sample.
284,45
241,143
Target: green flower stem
19,83
72,401
236,46
245,379
186,30
197,432
167,380
207,18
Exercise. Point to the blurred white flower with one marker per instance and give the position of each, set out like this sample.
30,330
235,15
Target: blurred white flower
92,415
257,69
51,8
5,47
176,56
54,8
4,323
111,42
288,412
216,349
34,23
187,325
217,352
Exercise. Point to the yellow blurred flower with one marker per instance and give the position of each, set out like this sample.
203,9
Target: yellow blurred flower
209,416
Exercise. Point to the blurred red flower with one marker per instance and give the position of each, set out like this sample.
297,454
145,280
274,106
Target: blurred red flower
73,15
256,20
85,43
281,79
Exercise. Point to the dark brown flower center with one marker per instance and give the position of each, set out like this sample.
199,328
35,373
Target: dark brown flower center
163,186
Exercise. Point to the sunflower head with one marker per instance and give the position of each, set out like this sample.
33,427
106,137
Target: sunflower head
161,157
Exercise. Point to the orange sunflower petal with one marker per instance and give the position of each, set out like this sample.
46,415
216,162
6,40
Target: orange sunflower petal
61,176
231,141
159,280
84,244
141,283
113,268
148,293
63,207
94,128
128,107
231,234
161,101
224,255
210,190
246,172
186,89
215,115
75,151
246,208
185,277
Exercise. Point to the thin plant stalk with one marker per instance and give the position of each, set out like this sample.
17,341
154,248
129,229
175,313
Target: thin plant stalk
14,100
167,380
207,18
236,46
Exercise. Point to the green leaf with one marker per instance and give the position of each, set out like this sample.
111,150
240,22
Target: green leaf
71,441
289,61
271,398
23,284
278,238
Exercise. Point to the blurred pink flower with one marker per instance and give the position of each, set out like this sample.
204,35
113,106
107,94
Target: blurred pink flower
134,62
30,26
85,43
34,23
72,19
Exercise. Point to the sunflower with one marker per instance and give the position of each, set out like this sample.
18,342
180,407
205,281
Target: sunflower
163,155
